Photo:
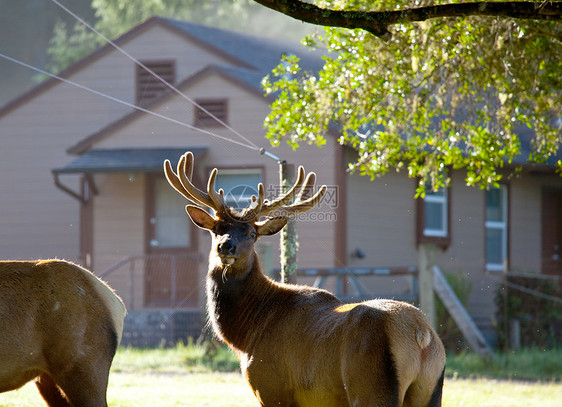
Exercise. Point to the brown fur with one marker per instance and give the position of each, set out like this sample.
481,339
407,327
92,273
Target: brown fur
60,325
300,346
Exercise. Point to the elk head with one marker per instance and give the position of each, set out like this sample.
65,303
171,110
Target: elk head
235,232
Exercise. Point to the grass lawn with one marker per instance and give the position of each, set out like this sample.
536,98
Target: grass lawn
229,390
163,378
157,390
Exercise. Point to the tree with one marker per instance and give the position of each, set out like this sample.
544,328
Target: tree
377,22
473,91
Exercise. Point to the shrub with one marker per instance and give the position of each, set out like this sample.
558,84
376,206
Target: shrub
539,318
524,364
210,354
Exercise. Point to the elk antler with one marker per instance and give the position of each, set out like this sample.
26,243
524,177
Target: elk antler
302,189
182,183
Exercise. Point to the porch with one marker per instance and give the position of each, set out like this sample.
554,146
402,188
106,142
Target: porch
162,293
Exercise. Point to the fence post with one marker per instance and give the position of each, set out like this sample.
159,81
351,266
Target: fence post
174,278
514,333
288,233
132,283
426,261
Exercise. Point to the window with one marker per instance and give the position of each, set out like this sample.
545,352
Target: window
148,87
238,185
433,217
170,222
216,107
496,228
435,213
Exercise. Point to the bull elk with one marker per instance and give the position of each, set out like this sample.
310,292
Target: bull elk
298,345
59,325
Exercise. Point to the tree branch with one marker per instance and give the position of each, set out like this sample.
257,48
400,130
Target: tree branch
377,22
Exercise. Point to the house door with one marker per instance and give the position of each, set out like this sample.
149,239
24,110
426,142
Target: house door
552,231
171,264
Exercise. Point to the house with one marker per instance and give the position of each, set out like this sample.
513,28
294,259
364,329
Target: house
111,209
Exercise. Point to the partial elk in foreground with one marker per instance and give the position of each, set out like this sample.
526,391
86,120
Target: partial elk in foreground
59,325
297,345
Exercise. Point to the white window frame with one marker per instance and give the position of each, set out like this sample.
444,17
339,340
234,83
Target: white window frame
501,225
441,199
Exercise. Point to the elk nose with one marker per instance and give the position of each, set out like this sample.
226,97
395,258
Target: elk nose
226,248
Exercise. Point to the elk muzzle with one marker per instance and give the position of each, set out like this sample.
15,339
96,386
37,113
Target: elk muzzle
226,249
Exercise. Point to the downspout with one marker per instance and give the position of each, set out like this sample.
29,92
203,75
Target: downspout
88,188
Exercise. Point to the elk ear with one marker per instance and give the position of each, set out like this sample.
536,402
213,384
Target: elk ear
271,226
201,218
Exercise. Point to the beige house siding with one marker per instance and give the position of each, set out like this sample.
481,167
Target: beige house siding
387,206
316,229
37,219
525,231
118,227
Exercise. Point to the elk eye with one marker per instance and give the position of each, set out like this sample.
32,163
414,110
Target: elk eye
253,234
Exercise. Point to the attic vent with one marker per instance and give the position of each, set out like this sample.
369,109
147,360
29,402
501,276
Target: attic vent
217,107
149,87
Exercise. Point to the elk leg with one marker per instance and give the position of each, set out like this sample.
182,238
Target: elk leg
85,386
268,392
50,392
418,394
369,373
437,392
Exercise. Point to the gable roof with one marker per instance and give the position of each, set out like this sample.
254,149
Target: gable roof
254,56
260,53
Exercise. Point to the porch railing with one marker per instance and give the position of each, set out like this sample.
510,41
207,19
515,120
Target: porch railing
159,280
347,281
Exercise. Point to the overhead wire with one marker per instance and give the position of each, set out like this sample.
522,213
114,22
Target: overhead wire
123,102
154,74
